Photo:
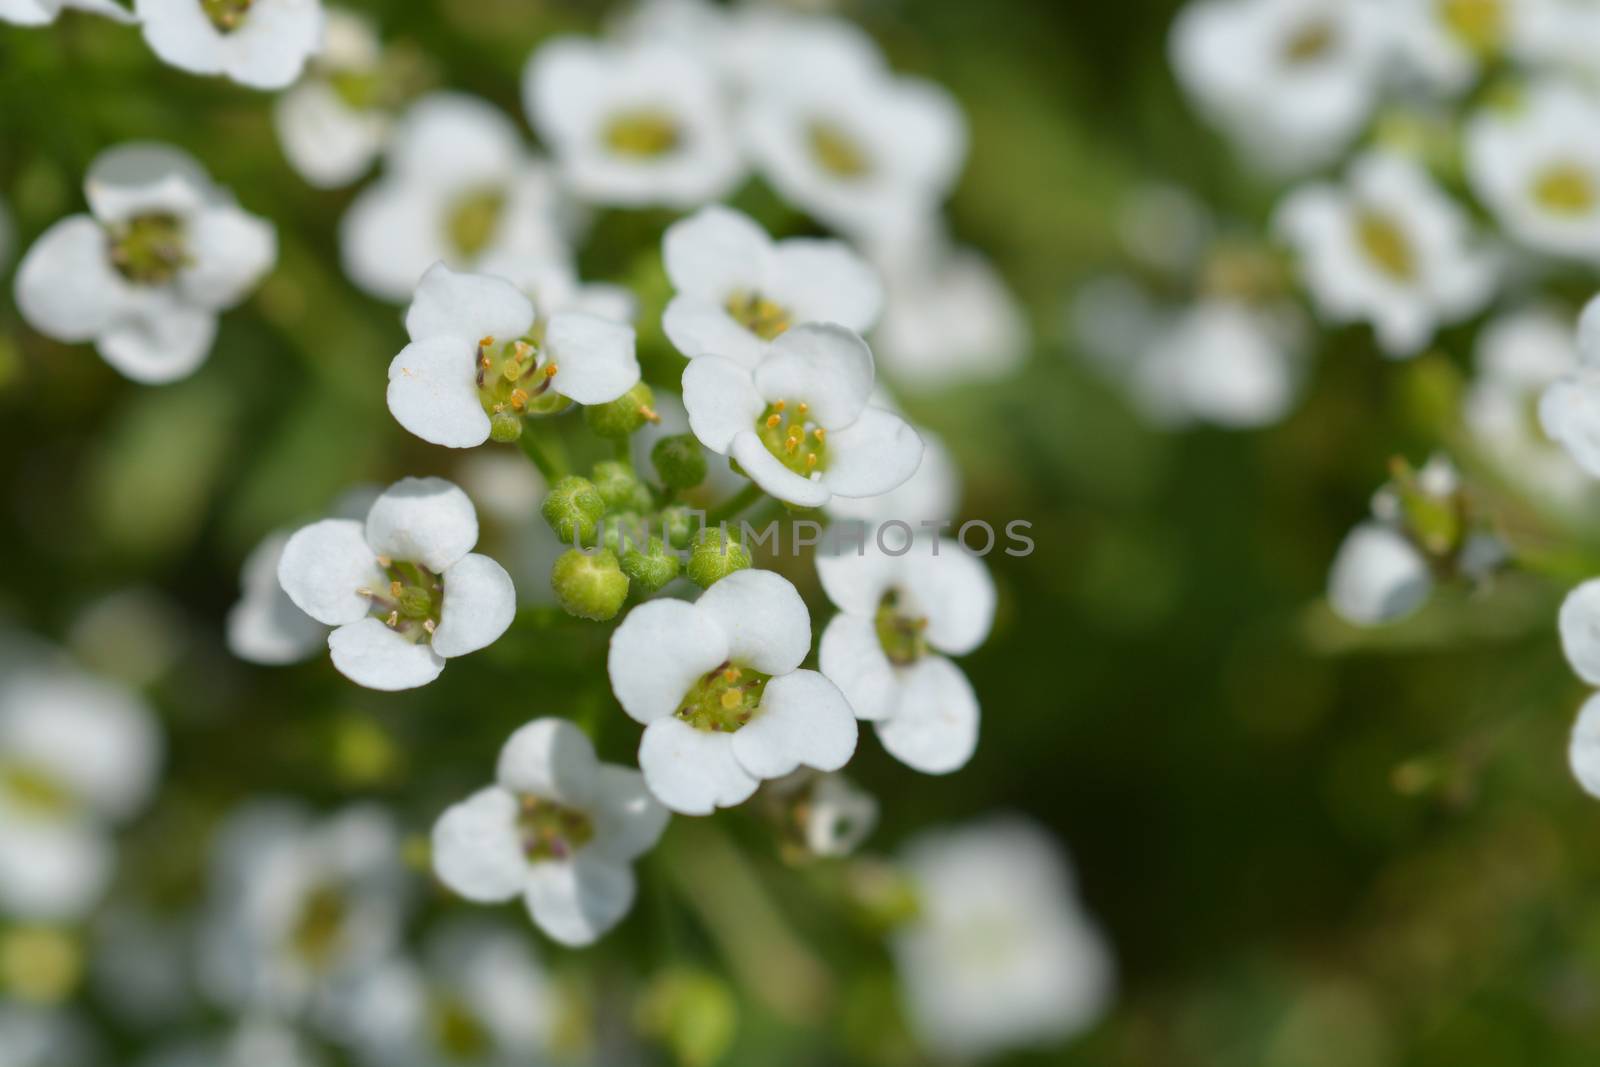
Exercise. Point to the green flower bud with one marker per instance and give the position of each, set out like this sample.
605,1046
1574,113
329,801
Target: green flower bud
573,508
679,461
623,415
650,569
589,586
505,427
678,526
716,555
622,531
619,487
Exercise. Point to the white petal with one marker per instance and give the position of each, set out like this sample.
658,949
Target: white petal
469,307
692,772
764,618
390,235
628,818
477,848
52,872
433,392
29,12
160,344
935,727
143,178
852,657
826,366
698,327
953,591
876,453
715,252
270,48
1589,333
479,604
265,626
856,581
803,720
1377,576
231,250
576,901
369,653
66,287
1580,630
825,281
1583,753
551,759
593,356
659,652
721,399
423,520
1569,412
767,471
329,143
322,567
446,135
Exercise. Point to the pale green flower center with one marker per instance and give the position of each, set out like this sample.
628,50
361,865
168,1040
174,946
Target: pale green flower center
549,830
836,151
462,1036
34,790
1311,41
724,699
149,249
412,603
318,933
643,133
1565,189
473,220
1386,245
226,15
904,637
1478,24
514,380
756,313
797,442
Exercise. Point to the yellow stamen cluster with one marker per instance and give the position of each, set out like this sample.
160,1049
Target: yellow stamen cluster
412,603
762,317
788,434
724,699
549,830
1480,24
1566,189
318,933
644,133
149,249
1386,244
837,151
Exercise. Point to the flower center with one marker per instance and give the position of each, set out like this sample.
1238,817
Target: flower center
756,313
149,249
226,15
514,380
1479,24
318,931
33,790
1565,189
799,444
461,1035
643,133
724,699
473,220
412,601
904,637
1386,245
550,831
836,151
1310,41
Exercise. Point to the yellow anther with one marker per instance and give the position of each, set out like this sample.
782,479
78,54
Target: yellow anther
731,699
819,433
802,407
394,619
429,625
791,444
385,562
649,413
483,360
485,342
778,404
522,351
550,370
519,399
732,674
811,460
364,591
773,420
396,588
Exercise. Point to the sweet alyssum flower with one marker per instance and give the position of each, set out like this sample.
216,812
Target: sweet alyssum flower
144,275
718,685
558,829
1001,954
1579,625
1569,410
405,591
900,618
260,43
1221,361
458,187
332,124
632,125
44,12
800,423
738,290
1388,248
479,361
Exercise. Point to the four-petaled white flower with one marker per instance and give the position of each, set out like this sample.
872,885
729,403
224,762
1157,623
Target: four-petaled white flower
900,617
558,829
800,423
718,685
1569,410
332,124
459,187
478,355
632,125
737,289
260,43
145,274
1221,361
1389,248
405,591
44,12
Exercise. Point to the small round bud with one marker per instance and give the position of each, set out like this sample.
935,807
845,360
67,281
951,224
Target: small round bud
678,526
716,555
623,415
622,531
573,508
590,586
619,487
679,461
652,568
505,427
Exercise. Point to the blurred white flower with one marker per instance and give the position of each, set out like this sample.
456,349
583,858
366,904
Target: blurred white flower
1583,751
44,12
259,1041
1557,35
405,591
459,187
900,617
46,1037
718,686
1388,248
134,635
329,128
479,360
1291,82
632,125
558,829
1224,362
1579,624
800,423
1569,411
260,43
738,290
144,275
1001,955
264,626
1166,227
1444,44
1536,165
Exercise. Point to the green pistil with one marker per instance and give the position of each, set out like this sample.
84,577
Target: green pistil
33,790
836,151
226,15
724,699
799,444
149,249
551,831
318,932
757,314
473,219
462,1036
903,637
412,603
644,133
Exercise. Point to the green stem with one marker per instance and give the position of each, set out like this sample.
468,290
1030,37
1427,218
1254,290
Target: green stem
735,504
549,465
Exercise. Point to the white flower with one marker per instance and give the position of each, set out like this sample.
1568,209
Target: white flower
1224,362
1378,576
851,144
632,125
1443,44
34,1036
476,355
1558,35
260,43
900,618
737,289
1579,623
405,591
1583,752
329,128
800,423
145,274
76,756
1001,954
1537,167
1388,248
458,187
832,814
767,44
44,12
1569,410
558,829
718,686
1291,82
932,494
264,626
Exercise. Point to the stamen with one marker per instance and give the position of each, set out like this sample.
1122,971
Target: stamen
773,420
791,444
731,699
779,404
430,626
801,408
396,588
811,460
732,674
393,621
485,342
819,433
385,562
550,370
519,399
649,413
